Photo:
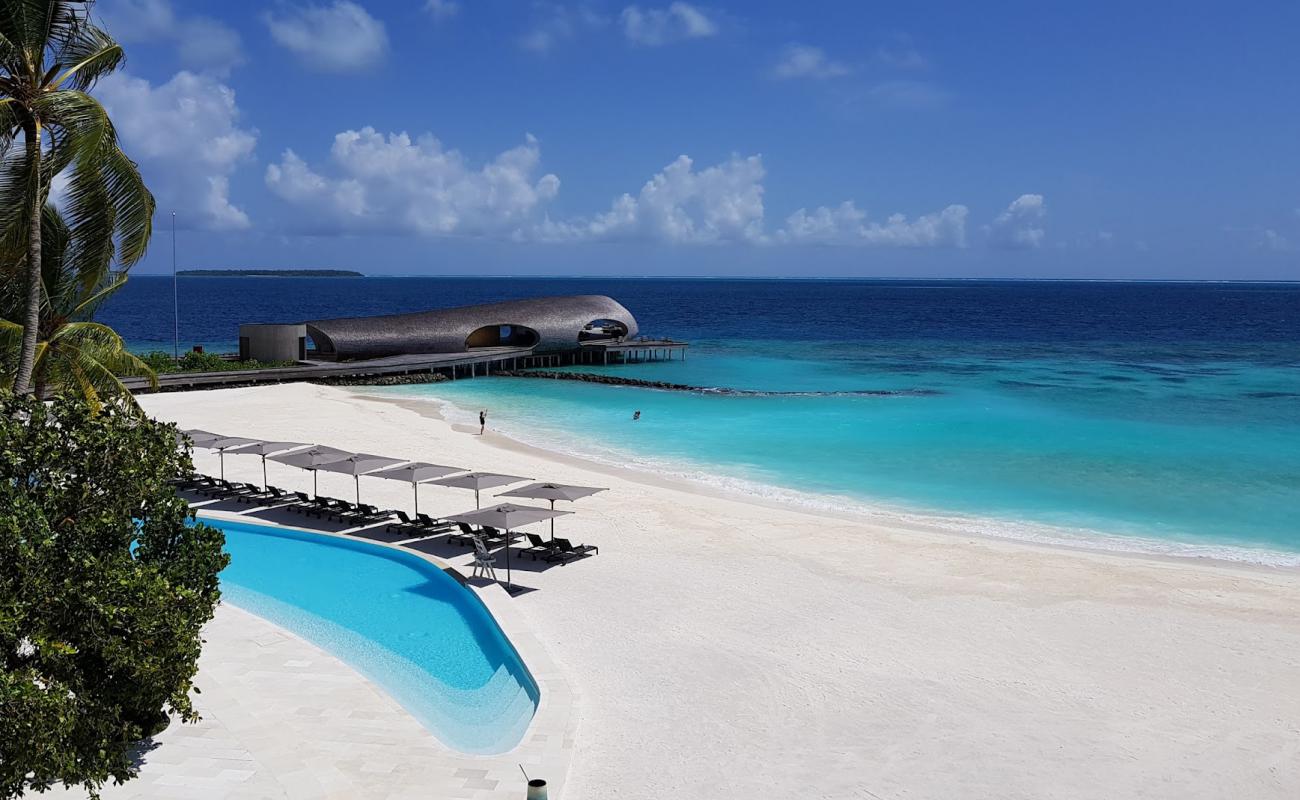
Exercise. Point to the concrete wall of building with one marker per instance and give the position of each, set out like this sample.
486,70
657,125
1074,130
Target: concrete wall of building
272,342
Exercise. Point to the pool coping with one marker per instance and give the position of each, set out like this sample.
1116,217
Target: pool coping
546,748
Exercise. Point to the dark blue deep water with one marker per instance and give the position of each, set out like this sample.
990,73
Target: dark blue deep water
1159,416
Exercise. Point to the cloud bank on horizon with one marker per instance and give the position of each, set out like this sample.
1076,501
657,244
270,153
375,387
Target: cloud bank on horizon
230,115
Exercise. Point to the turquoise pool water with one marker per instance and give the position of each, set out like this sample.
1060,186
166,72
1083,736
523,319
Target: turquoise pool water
400,621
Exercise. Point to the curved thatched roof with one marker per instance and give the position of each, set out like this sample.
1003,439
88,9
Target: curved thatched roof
552,323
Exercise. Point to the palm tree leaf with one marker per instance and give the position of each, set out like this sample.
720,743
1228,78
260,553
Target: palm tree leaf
108,206
92,54
92,356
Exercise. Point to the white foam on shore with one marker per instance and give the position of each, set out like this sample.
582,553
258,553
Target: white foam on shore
572,445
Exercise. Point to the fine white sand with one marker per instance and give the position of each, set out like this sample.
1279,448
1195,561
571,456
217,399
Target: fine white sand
727,648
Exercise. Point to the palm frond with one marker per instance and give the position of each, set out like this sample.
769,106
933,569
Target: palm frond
90,54
108,205
87,305
93,358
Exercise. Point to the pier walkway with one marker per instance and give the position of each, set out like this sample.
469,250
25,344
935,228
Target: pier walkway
468,364
454,365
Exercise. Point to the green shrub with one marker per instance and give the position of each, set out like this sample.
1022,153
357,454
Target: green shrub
162,363
104,587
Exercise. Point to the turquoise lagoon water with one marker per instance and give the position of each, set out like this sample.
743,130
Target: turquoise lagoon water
1114,447
1138,415
395,618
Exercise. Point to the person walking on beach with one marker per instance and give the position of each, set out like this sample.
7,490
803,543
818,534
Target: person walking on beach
482,421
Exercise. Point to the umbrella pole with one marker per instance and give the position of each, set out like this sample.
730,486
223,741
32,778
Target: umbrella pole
415,489
264,473
476,504
552,524
357,478
509,584
314,490
221,454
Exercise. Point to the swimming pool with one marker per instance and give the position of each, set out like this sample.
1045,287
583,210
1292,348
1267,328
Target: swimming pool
394,617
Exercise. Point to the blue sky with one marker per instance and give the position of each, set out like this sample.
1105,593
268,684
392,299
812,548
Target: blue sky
941,139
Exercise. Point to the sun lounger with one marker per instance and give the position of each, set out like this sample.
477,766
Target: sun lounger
467,534
405,524
269,497
255,496
190,481
212,488
434,525
342,510
540,547
322,507
493,537
366,514
226,489
566,551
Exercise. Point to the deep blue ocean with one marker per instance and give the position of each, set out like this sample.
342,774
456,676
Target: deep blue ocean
1153,416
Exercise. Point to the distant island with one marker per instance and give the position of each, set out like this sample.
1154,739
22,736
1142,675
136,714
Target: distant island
270,273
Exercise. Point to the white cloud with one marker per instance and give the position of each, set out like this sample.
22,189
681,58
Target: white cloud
338,37
1020,226
442,9
915,95
680,205
396,184
901,53
186,138
805,61
659,26
202,43
847,224
554,24
1270,239
137,20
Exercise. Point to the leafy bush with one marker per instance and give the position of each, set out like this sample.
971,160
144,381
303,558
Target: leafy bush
163,363
104,587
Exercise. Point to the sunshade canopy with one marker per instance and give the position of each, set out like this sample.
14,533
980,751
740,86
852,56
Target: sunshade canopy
267,448
312,458
228,442
507,516
359,464
416,472
478,480
198,437
552,492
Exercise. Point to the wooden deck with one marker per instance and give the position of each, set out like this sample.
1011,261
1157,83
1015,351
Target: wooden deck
454,365
626,351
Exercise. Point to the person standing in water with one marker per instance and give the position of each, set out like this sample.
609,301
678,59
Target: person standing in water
482,421
636,416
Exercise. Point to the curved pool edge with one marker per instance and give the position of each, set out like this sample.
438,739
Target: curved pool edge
548,741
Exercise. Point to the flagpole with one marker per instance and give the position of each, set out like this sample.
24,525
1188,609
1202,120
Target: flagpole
176,303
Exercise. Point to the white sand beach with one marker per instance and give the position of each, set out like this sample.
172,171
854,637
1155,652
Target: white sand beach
723,648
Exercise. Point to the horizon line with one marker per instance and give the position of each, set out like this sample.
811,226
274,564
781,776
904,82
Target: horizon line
928,278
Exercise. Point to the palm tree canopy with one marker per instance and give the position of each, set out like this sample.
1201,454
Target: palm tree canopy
50,54
73,354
